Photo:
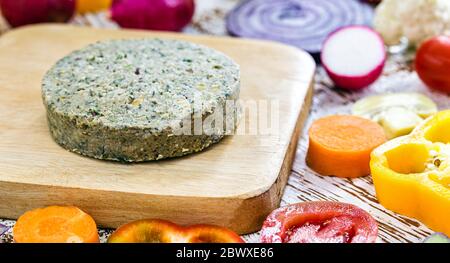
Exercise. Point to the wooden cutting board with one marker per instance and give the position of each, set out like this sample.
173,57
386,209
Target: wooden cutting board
235,183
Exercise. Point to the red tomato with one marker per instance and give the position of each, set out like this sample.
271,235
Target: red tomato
433,63
319,222
162,231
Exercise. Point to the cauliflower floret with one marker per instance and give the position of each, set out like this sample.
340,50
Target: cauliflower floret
416,20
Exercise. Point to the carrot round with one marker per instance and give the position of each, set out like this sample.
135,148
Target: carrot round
56,224
340,145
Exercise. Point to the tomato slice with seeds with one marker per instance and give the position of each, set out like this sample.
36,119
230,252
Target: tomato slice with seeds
319,222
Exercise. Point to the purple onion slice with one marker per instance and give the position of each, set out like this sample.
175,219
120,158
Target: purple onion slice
301,23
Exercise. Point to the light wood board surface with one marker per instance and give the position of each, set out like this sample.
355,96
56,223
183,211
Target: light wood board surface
235,183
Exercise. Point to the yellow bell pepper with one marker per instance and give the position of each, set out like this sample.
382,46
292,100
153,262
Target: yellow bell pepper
411,174
91,6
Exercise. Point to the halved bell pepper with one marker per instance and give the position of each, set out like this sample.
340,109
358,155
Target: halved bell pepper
411,174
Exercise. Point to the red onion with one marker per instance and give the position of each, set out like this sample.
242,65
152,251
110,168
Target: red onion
3,229
302,23
23,12
167,15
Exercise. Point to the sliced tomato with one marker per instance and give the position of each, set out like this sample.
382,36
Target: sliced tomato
433,63
319,222
162,231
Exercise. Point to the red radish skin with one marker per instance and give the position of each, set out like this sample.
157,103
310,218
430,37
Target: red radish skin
374,67
355,82
164,15
24,12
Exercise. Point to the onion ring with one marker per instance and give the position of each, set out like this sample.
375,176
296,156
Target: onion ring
301,23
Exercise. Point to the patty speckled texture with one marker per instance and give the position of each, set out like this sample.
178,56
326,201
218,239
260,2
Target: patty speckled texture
123,100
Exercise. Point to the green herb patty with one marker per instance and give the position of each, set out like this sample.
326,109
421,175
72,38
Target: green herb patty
124,99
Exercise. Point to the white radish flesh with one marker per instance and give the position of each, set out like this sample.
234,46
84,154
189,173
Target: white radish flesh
354,57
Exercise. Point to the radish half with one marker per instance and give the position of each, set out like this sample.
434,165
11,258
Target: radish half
353,57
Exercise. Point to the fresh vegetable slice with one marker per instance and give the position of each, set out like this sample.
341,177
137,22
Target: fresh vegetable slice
23,12
398,113
167,15
55,224
433,63
411,173
437,238
146,231
399,121
162,231
374,107
354,57
301,23
319,222
340,145
3,229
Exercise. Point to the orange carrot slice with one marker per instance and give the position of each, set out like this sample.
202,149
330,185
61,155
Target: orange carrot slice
340,145
56,224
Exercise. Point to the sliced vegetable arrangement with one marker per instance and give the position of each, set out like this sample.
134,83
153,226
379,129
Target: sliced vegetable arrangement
411,174
397,113
69,224
340,145
353,57
55,224
161,231
319,222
